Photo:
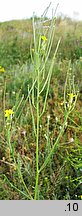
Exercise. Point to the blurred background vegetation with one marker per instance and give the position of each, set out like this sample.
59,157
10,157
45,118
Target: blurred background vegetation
16,36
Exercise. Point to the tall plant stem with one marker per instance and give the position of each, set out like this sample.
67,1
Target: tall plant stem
37,141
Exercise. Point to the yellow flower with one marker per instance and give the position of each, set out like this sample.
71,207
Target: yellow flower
2,70
43,38
9,113
71,96
81,197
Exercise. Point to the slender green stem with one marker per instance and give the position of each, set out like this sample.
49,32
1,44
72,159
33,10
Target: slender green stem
37,141
25,186
9,138
21,177
27,196
33,119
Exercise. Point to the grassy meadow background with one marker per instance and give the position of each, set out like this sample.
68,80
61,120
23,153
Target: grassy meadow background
62,176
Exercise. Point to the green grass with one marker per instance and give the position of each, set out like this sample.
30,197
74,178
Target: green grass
41,145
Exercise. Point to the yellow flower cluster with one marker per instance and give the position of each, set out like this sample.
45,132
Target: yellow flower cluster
43,38
8,114
2,70
71,96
